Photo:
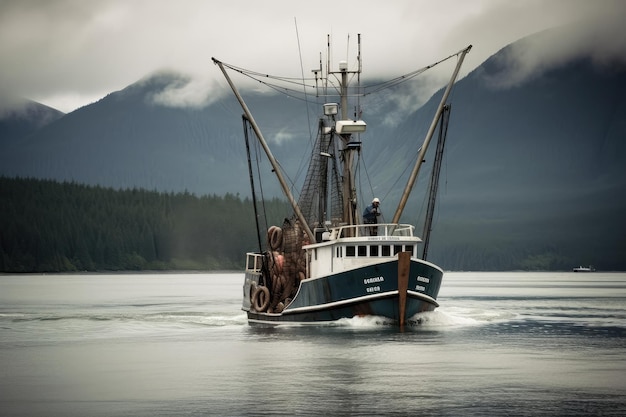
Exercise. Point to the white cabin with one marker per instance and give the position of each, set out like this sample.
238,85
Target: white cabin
350,247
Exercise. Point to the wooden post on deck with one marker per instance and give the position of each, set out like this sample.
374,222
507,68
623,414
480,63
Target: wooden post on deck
404,265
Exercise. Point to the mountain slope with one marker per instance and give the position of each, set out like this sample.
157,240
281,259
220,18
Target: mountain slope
128,140
539,165
19,118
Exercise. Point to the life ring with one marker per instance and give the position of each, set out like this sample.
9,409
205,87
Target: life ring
275,237
252,290
261,299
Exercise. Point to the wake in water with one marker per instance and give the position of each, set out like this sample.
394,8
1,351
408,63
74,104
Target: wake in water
459,317
453,318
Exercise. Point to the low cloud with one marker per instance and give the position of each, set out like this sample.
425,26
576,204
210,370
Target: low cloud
11,106
68,53
192,92
284,135
602,40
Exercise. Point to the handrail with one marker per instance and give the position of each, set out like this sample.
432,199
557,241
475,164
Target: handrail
254,261
383,230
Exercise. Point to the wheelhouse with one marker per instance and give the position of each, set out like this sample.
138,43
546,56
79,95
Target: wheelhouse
349,247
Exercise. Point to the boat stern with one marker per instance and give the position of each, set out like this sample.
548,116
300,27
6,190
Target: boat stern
252,279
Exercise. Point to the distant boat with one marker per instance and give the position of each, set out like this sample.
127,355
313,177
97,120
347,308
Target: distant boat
589,268
324,263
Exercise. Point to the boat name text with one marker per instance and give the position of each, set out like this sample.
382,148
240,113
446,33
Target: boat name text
423,279
373,280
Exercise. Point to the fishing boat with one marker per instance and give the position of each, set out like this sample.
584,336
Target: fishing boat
581,268
324,263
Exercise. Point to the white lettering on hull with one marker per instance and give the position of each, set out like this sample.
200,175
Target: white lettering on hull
373,280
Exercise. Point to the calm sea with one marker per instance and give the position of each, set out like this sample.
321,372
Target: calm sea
517,344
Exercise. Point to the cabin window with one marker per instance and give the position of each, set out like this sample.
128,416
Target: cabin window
315,254
373,250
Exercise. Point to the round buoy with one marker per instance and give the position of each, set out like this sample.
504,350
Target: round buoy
261,299
275,237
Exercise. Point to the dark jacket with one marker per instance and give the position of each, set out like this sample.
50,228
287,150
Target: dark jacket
370,213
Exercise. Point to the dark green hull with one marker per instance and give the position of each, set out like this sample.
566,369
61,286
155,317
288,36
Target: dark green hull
373,290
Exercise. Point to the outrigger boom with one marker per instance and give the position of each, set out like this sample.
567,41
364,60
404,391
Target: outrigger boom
429,135
268,152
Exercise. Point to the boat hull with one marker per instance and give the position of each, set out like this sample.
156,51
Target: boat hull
373,290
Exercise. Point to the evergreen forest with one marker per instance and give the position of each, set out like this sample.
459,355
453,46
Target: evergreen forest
48,226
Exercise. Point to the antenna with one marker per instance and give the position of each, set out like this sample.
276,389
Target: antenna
358,78
327,63
348,49
318,77
358,58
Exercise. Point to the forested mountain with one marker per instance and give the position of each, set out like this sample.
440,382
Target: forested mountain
47,226
534,175
128,139
540,167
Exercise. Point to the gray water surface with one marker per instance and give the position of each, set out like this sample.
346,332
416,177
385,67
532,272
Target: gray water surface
178,345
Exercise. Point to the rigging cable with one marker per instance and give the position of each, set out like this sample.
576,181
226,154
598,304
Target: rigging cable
303,82
434,180
306,97
406,77
306,100
265,277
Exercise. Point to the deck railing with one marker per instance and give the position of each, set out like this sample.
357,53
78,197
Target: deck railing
254,262
378,229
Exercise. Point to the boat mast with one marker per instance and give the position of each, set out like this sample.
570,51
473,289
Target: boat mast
349,146
348,180
269,154
429,135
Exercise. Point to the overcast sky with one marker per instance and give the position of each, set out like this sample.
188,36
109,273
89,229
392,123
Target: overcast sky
70,53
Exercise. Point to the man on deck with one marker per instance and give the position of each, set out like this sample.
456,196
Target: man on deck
370,215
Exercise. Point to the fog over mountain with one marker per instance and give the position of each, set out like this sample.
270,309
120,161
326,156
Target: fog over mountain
19,118
541,162
535,156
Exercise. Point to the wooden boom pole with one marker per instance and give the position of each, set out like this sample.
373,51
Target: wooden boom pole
429,135
269,154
